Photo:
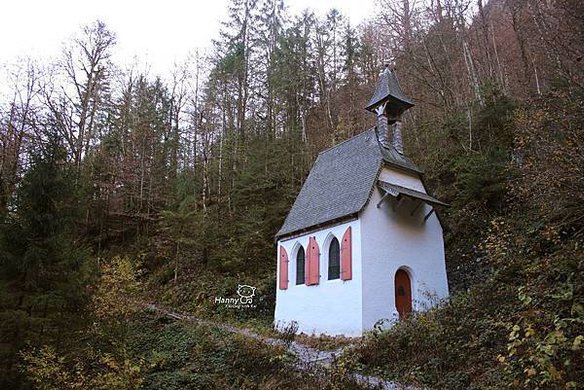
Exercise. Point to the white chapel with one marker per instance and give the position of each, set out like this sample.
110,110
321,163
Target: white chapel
362,243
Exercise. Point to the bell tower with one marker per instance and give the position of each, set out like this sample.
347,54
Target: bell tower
389,103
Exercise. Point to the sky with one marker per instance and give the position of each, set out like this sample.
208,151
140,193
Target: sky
159,33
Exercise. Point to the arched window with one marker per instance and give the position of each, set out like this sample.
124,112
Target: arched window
334,260
300,266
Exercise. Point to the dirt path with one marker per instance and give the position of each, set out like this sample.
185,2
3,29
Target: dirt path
308,357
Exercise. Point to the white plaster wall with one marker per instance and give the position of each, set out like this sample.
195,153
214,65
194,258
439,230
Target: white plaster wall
401,178
332,307
394,239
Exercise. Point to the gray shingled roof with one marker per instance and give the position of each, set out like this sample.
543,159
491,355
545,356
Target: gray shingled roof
340,182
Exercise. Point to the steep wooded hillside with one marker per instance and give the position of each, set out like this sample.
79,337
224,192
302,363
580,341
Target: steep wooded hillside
117,187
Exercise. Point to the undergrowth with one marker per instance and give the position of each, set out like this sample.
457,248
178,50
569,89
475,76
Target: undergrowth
183,355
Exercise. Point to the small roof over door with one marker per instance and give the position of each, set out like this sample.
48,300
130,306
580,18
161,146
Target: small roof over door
396,190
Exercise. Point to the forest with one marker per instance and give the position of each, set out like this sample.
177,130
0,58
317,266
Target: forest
120,188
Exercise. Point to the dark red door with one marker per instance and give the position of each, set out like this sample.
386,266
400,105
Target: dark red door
403,293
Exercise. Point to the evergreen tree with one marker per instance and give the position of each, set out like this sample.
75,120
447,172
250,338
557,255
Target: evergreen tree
44,270
292,74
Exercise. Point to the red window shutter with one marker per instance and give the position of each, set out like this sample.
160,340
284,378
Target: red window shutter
346,256
283,268
313,274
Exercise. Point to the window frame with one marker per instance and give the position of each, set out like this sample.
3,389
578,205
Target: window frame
337,256
299,268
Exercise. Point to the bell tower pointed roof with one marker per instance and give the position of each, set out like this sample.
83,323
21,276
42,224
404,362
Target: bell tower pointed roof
388,89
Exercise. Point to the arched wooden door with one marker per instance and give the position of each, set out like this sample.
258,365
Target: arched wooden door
403,293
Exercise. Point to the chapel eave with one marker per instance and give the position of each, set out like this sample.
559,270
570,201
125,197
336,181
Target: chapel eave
320,226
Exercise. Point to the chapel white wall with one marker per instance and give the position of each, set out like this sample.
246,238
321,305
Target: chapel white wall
333,307
391,240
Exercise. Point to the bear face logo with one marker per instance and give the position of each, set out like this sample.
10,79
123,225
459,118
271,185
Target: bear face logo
246,293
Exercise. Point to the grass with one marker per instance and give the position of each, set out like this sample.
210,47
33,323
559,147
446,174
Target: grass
186,355
326,343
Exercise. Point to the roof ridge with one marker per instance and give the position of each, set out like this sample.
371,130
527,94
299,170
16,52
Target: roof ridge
347,140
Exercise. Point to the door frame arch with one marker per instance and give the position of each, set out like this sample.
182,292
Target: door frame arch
409,272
